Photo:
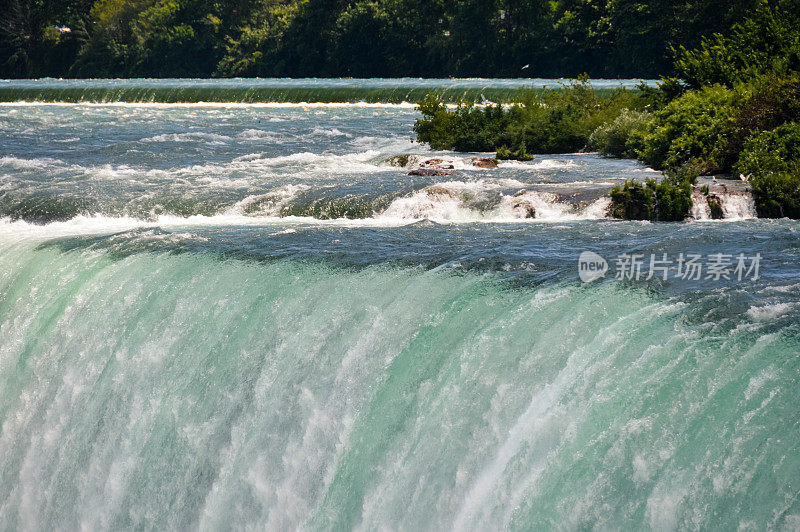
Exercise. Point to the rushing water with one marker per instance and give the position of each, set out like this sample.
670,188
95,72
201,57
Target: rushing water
241,316
272,90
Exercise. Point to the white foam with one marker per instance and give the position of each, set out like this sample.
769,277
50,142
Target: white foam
598,210
769,312
700,209
545,204
332,132
268,204
190,136
544,164
430,205
258,134
309,162
29,164
738,206
758,381
663,507
98,224
448,202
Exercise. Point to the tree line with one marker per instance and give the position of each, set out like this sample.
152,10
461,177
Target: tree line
358,38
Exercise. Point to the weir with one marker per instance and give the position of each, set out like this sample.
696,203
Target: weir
280,90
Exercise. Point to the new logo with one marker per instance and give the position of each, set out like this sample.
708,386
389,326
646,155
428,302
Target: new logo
591,267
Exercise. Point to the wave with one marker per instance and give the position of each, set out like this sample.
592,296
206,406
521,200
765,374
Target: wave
540,164
191,136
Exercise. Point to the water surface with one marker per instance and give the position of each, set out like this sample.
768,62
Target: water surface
236,315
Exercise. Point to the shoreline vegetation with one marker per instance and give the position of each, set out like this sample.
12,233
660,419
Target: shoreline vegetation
354,38
731,110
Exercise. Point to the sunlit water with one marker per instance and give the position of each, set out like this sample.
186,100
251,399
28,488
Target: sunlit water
240,316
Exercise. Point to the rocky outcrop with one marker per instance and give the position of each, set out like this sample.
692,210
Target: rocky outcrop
521,204
483,162
715,206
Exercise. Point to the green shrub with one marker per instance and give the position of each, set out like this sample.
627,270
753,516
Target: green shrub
667,201
692,133
777,195
771,162
673,200
467,128
504,154
633,201
614,138
771,151
552,121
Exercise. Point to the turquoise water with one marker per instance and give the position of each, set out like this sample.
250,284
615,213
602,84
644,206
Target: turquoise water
241,316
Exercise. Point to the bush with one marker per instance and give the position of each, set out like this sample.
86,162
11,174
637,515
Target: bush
554,121
504,154
703,131
777,195
467,128
771,162
771,151
633,201
667,201
614,138
692,133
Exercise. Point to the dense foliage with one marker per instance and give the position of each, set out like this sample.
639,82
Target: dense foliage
431,38
616,138
553,121
691,132
771,160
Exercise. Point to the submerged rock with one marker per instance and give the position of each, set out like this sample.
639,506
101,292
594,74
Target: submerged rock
399,160
437,164
715,206
521,203
428,172
439,190
526,207
483,162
